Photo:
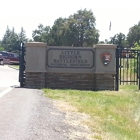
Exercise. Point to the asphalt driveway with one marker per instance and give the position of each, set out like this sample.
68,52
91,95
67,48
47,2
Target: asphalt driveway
26,114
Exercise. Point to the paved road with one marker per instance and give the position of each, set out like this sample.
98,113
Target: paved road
25,114
8,78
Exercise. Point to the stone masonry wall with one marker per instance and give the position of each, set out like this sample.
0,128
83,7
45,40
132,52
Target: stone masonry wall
78,81
35,80
105,82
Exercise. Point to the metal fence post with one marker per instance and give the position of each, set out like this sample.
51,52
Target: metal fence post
21,65
139,69
117,70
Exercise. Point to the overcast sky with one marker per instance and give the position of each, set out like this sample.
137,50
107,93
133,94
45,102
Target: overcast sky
28,14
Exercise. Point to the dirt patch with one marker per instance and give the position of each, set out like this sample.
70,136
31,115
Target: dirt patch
77,121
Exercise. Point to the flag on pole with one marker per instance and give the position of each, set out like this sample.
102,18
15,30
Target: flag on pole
110,26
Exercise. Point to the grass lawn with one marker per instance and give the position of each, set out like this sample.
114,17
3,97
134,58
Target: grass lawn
115,115
15,66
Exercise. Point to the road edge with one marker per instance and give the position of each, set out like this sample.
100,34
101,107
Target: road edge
12,67
5,91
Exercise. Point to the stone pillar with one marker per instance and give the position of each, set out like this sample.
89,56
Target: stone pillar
35,64
105,66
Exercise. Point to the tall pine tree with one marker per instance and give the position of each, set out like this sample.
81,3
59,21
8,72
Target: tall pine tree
22,35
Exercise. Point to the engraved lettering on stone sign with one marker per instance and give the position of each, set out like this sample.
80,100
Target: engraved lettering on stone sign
59,58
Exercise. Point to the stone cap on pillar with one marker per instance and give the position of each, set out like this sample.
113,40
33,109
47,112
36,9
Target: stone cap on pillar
34,44
107,46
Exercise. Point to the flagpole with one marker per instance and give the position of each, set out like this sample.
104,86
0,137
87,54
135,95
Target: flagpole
110,25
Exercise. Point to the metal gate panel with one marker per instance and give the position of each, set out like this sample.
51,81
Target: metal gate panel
127,63
22,65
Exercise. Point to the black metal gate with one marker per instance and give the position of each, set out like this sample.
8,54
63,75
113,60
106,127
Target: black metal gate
22,65
127,67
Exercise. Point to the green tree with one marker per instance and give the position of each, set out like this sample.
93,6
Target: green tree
6,39
101,42
42,34
133,35
9,41
30,40
57,33
77,30
22,35
136,46
14,46
119,39
82,29
107,41
1,47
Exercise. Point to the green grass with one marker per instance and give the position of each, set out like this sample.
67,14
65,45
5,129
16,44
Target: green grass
15,66
115,115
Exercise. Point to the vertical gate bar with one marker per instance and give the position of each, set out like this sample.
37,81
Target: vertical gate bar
120,64
117,70
129,55
128,78
125,73
130,68
21,64
19,59
21,81
130,59
137,66
123,69
139,69
20,72
127,66
134,66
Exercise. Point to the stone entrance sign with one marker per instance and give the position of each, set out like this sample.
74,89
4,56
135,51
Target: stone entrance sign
70,58
85,68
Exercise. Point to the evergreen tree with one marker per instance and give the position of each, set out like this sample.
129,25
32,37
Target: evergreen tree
22,35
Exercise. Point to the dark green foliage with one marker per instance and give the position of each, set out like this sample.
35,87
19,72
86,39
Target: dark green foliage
77,30
10,41
134,35
119,39
81,29
22,35
41,34
58,33
1,48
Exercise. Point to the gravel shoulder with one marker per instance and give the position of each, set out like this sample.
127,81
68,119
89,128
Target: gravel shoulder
26,114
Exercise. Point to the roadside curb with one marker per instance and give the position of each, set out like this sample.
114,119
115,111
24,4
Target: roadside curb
13,67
